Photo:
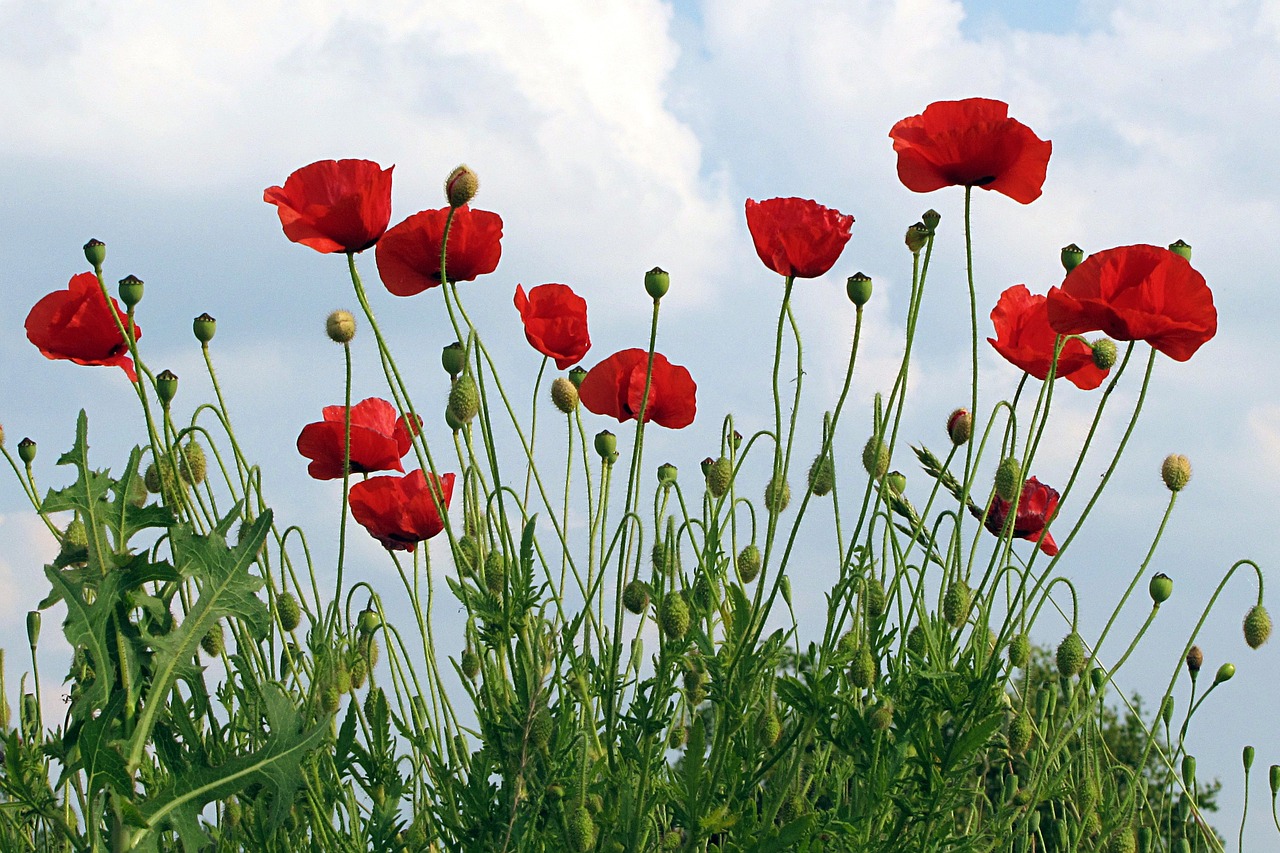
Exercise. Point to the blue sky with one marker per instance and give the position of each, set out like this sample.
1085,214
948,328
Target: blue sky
613,136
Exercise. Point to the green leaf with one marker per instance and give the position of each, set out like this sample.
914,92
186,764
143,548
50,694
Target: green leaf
89,624
100,756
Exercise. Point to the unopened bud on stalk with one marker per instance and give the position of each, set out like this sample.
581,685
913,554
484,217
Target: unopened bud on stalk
166,386
858,289
27,451
1104,353
822,475
667,475
1021,732
897,482
33,628
1161,587
1008,478
635,596
204,328
875,457
288,610
1247,757
719,474
956,603
1181,249
1225,673
1275,780
749,563
606,445
130,290
577,375
917,237
1020,650
1071,257
340,326
1257,626
673,615
464,399
1189,772
960,426
1195,660
470,664
777,494
1166,710
564,394
657,282
95,252
1070,657
1176,472
461,186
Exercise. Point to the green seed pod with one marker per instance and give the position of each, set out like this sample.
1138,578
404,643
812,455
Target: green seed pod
606,445
131,290
875,458
673,616
33,628
635,596
192,465
576,375
1071,257
822,476
464,399
1247,757
719,474
956,603
656,283
777,495
495,572
873,597
204,327
27,451
288,610
1274,779
1257,626
1008,478
95,252
470,664
1020,650
1070,656
166,386
1161,587
1021,733
453,358
1226,672
1181,249
564,394
749,563
1176,472
1166,710
863,669
858,289
580,830
213,642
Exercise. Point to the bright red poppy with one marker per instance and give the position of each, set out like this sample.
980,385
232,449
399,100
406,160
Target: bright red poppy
796,236
1036,506
77,324
970,143
334,205
409,255
555,322
1025,338
615,387
1137,293
379,439
400,512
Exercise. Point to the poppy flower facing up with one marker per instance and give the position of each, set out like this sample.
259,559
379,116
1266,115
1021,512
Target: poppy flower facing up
555,322
400,512
409,255
379,440
334,205
1025,338
796,236
1137,293
970,143
615,387
77,324
1036,506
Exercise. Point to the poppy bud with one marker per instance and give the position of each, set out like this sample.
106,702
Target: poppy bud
580,830
204,327
1195,660
1071,256
464,399
822,475
359,670
956,603
656,283
882,717
1275,780
1247,757
606,445
1070,656
27,451
453,358
1104,353
1020,650
667,475
193,466
577,375
1166,710
1175,471
288,611
95,252
340,326
770,727
875,457
863,668
461,186
749,563
960,426
495,572
917,237
1180,249
858,289
166,387
673,615
1257,626
1021,732
1225,673
212,642
916,642
1097,677
896,481
777,494
1161,587
541,727
873,597
33,627
330,699
130,290
1008,478
931,218
719,474
564,394
470,664
635,596
1189,772
452,422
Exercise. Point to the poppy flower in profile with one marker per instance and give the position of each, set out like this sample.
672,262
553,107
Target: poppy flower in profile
555,322
796,236
77,324
409,254
970,143
1025,338
400,512
1137,293
334,205
379,439
1036,506
615,387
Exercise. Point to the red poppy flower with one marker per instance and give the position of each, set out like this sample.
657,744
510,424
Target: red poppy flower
796,236
409,254
615,387
334,205
970,143
77,324
555,322
378,439
400,512
1036,506
1137,293
1025,338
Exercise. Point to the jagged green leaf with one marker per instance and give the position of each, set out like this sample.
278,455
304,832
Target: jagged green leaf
89,624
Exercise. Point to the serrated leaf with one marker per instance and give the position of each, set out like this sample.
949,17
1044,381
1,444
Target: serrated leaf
788,837
89,624
100,757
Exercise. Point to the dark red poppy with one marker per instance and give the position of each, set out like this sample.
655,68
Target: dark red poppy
77,324
970,143
409,254
796,236
1025,338
379,440
1137,293
1036,506
615,387
555,322
400,512
334,205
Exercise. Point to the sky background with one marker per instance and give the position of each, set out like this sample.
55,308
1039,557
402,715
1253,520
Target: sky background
613,136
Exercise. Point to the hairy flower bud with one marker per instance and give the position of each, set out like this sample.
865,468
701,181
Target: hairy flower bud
470,664
1008,478
777,494
1021,733
580,830
1176,472
1070,656
749,563
635,596
288,610
822,475
1104,353
1257,626
340,326
863,668
873,597
192,464
213,642
875,458
719,474
673,615
564,394
461,186
1020,650
956,603
960,426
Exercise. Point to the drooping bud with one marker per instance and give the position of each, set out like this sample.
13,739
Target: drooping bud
359,670
1161,587
95,252
1181,249
288,610
719,474
1071,256
916,642
1226,672
606,445
204,328
1175,471
1070,657
882,717
749,563
777,494
541,727
822,475
875,457
959,426
1008,478
956,603
340,326
931,218
192,464
1195,660
461,186
858,289
1104,353
1257,626
212,642
873,597
657,282
564,394
917,237
667,475
1021,733
1020,650
577,375
635,596
130,290
495,572
580,830
27,451
464,399
470,664
770,727
673,615
863,668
